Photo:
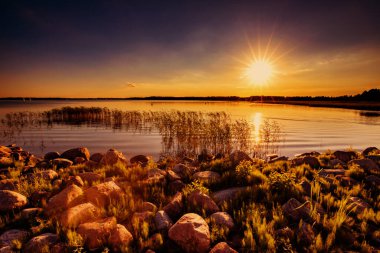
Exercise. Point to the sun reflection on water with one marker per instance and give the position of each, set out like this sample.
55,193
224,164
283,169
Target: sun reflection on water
257,121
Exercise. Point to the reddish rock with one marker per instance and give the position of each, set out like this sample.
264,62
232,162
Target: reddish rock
79,214
90,178
61,163
120,239
345,156
139,159
96,234
191,233
295,210
366,164
46,175
5,151
63,200
183,170
148,206
73,153
9,236
162,221
238,156
175,206
6,162
51,156
10,200
41,243
222,219
103,194
112,157
222,247
227,194
202,202
96,157
176,186
369,150
74,180
79,160
308,160
207,177
8,184
172,176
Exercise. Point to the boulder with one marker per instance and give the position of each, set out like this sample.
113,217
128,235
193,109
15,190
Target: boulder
9,236
308,160
345,156
90,178
46,175
227,194
191,233
112,157
222,247
237,157
10,200
162,221
139,159
222,219
103,194
51,156
95,234
120,238
30,213
61,163
74,180
79,214
176,186
366,164
207,177
183,170
175,206
96,157
172,176
295,210
369,150
201,202
63,200
73,153
41,243
8,184
336,162
79,160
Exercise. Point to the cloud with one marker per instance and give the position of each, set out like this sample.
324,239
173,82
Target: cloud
129,85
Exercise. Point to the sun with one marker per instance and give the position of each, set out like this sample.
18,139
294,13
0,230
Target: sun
259,72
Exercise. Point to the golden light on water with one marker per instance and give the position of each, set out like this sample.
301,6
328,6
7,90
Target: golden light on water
256,121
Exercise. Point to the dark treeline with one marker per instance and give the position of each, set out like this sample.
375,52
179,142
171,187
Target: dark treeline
370,95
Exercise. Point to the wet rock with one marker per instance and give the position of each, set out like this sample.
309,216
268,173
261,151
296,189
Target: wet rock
96,157
222,219
308,160
103,194
73,153
357,205
163,221
228,194
345,156
369,150
63,200
295,210
176,186
201,202
51,156
79,214
90,178
139,159
366,164
191,233
7,238
207,177
175,206
112,157
237,157
61,163
6,162
120,239
10,200
222,247
41,243
96,233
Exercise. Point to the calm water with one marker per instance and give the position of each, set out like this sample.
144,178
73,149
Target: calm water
304,128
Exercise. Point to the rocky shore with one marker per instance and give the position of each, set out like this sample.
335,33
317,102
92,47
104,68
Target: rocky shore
103,202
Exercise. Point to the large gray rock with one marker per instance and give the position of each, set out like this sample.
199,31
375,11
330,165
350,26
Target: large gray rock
191,233
10,200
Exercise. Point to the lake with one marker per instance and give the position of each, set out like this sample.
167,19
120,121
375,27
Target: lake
303,128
